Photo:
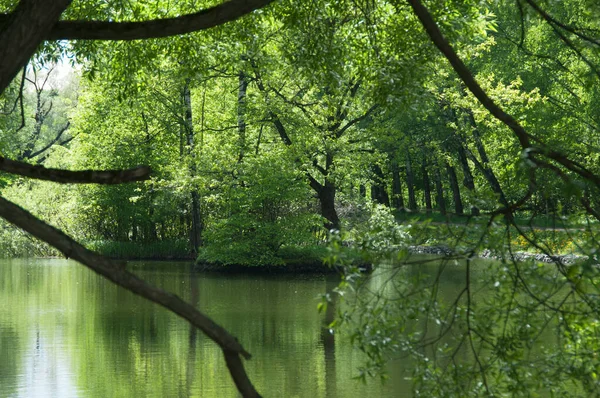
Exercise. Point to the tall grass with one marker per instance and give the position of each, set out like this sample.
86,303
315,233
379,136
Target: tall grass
142,250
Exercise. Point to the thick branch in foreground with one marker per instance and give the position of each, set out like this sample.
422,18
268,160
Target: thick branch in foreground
553,21
115,272
22,31
75,177
101,30
465,74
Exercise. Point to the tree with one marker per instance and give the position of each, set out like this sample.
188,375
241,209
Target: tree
18,46
324,71
499,332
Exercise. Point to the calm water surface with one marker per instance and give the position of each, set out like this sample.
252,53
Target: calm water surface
66,332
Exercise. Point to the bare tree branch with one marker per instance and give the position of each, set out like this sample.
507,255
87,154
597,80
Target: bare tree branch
52,142
75,177
115,272
19,98
357,119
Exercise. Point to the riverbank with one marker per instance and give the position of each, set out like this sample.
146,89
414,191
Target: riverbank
312,260
288,259
292,268
488,254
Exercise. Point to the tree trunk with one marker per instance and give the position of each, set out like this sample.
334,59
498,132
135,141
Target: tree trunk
426,185
241,114
397,198
326,196
378,189
468,181
458,206
197,224
439,190
410,183
488,173
151,231
362,191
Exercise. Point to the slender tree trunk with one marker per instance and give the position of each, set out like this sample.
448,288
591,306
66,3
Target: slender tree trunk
134,231
458,205
426,185
410,183
241,114
197,224
362,191
468,181
484,165
439,190
397,198
260,133
151,233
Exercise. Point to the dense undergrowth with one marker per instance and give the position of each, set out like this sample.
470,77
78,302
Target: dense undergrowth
265,247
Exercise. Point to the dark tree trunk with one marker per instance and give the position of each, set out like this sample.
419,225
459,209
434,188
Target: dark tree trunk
397,198
151,232
134,231
326,194
468,181
197,224
458,206
362,191
484,166
410,184
378,189
439,190
426,185
241,114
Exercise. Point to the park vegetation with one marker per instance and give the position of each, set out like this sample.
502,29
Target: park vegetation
349,132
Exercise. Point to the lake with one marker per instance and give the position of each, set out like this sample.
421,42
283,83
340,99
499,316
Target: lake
67,332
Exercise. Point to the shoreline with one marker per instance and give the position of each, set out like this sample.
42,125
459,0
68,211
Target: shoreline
318,267
488,254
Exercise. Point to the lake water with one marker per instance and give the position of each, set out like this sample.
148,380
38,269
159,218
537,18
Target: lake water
67,332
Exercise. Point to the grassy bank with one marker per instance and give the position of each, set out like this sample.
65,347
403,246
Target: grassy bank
523,219
287,259
161,250
532,238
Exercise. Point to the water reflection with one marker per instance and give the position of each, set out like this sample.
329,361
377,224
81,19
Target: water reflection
64,331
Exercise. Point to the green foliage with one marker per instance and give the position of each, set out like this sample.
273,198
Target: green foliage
382,234
255,128
15,243
264,215
165,249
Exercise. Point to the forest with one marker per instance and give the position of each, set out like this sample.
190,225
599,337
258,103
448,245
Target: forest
292,136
